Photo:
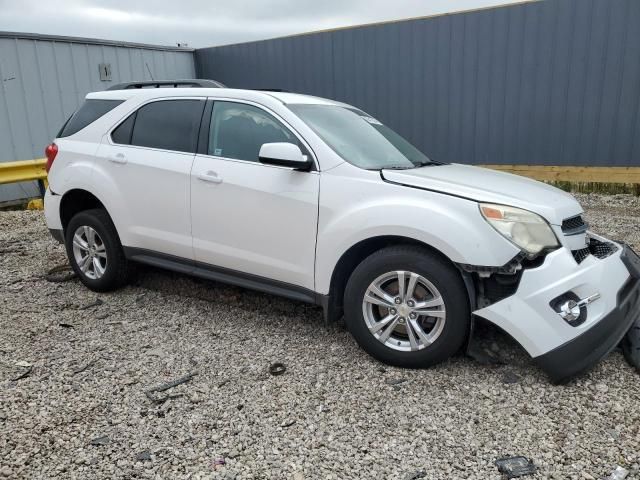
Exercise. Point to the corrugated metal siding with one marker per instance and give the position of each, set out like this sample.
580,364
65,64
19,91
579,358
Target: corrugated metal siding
555,82
42,82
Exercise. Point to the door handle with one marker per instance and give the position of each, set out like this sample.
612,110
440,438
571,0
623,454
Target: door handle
211,177
118,158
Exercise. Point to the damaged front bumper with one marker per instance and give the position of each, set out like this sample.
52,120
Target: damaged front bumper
561,347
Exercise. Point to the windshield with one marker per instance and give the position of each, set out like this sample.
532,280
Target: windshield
360,139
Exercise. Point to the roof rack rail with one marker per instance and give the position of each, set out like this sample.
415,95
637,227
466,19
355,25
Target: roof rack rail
189,83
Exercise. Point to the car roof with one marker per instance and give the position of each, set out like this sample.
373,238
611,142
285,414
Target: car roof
149,93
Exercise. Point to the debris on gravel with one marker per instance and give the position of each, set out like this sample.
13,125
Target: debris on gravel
515,467
277,369
100,441
143,456
333,415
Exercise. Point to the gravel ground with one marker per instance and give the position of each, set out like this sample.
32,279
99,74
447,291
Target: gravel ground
81,411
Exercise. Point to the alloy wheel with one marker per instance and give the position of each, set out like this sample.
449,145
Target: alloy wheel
89,252
404,311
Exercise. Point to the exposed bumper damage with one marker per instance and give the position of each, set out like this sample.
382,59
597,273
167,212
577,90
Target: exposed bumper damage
604,289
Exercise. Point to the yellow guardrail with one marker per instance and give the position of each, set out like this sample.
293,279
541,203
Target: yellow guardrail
25,171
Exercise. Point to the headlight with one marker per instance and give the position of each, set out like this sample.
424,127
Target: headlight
525,229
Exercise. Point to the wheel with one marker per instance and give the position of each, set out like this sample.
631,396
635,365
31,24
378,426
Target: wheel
95,252
407,307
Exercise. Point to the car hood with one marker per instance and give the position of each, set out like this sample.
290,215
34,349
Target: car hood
491,186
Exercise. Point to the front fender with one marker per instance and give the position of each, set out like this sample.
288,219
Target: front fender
356,209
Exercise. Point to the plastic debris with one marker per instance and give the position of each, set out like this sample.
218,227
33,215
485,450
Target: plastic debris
24,374
104,440
417,475
219,463
59,274
514,467
143,456
96,303
86,366
619,473
277,369
483,355
510,377
164,387
395,381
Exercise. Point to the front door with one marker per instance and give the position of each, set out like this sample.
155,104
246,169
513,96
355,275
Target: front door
249,217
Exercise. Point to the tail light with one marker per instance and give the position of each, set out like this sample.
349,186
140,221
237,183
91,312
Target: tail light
51,151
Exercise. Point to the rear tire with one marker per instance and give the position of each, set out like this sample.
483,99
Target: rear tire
419,295
95,252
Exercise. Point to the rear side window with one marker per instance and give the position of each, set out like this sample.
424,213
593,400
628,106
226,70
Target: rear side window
89,112
122,133
167,125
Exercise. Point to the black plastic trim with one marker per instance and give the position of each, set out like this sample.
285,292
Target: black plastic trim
303,167
580,354
509,268
425,189
203,135
576,231
57,234
224,275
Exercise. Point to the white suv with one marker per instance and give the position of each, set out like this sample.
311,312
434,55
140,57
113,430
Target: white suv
318,201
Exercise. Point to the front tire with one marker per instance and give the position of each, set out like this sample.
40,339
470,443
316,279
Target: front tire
94,251
407,307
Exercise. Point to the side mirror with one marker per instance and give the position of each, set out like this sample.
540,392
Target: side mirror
284,154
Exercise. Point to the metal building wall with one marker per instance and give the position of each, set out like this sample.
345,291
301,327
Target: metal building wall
43,80
553,82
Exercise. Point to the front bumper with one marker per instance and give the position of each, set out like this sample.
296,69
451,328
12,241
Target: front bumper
560,349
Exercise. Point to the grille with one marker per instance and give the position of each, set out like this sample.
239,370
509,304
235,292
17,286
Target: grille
602,249
580,255
596,248
574,225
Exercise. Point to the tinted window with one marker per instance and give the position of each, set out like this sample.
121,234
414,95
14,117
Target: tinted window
168,125
238,131
89,112
122,133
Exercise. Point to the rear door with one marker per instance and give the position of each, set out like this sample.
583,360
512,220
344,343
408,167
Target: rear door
148,158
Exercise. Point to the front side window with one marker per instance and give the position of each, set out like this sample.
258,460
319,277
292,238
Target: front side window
89,112
360,139
166,125
238,131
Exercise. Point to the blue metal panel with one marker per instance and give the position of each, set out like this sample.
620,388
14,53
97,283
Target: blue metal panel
555,82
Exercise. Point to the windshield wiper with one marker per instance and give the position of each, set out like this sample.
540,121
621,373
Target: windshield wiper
396,167
427,163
